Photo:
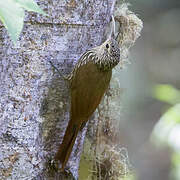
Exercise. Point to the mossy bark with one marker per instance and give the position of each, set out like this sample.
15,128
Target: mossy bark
34,103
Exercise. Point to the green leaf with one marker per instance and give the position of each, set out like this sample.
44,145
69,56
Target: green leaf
169,120
176,159
172,115
12,16
30,5
167,93
176,165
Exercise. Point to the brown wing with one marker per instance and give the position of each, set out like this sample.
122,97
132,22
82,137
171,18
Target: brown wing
88,85
87,88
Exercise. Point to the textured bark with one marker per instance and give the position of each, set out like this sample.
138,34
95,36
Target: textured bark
107,158
34,103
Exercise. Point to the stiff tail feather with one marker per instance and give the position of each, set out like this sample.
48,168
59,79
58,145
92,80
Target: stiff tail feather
67,144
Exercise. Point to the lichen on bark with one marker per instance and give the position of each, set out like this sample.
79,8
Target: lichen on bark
34,103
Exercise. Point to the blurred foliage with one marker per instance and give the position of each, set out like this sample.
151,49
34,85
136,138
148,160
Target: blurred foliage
167,93
176,166
129,177
12,15
171,117
167,130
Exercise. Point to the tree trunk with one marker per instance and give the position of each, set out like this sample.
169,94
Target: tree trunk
34,103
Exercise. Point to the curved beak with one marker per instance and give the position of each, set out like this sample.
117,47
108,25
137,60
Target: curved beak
113,26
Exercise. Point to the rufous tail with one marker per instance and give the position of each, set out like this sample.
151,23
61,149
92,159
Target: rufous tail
67,144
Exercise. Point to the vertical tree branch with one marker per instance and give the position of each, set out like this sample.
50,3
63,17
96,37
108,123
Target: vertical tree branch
34,99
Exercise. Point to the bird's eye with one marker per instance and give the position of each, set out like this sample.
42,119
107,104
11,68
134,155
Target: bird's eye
107,46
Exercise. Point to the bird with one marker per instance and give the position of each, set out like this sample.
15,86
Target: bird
89,80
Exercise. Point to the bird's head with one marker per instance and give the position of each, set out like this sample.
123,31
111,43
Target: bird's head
108,54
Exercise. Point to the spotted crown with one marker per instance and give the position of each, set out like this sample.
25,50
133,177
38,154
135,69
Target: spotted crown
105,56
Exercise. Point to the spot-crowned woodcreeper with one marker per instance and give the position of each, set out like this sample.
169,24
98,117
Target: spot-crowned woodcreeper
89,80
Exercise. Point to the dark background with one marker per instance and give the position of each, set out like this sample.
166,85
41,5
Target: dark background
154,60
